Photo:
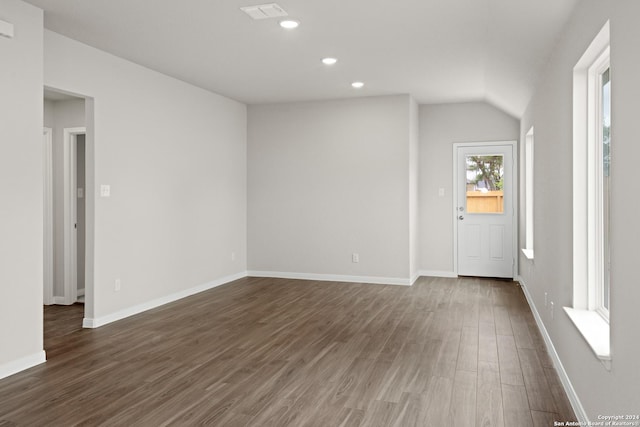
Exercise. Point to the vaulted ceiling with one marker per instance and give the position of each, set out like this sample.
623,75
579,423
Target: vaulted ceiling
436,50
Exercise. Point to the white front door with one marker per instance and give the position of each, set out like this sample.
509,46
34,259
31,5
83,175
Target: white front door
484,209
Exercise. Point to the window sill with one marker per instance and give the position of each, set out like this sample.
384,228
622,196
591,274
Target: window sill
528,253
595,331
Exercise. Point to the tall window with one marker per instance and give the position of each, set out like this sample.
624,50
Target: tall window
592,168
528,194
599,171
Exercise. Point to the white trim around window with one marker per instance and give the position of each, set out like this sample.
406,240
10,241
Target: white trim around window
590,225
528,194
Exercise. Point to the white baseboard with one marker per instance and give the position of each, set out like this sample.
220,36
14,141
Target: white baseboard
21,364
376,280
80,292
130,311
59,301
437,273
415,277
557,363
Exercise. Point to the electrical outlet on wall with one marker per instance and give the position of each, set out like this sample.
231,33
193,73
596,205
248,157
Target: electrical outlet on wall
546,299
355,257
233,256
551,308
117,286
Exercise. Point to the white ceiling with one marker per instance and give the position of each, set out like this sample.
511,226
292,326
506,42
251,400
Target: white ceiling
436,50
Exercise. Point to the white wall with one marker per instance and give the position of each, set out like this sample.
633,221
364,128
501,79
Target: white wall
601,392
48,119
327,179
625,295
440,126
21,187
57,116
175,158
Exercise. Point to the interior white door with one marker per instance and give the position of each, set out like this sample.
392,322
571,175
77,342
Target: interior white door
485,210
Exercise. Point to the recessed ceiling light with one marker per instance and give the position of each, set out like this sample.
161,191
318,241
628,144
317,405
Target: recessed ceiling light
357,85
289,24
329,61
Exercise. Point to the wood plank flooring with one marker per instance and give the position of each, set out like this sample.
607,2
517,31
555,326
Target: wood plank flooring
272,352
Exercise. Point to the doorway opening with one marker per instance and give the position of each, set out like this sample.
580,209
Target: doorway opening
68,206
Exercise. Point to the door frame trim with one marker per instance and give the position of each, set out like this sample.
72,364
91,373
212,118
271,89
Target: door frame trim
70,213
514,198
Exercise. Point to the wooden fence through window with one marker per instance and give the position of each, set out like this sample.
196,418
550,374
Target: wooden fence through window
485,202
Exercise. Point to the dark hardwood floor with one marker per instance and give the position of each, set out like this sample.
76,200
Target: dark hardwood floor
271,352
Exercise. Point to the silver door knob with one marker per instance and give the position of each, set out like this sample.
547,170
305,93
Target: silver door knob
460,217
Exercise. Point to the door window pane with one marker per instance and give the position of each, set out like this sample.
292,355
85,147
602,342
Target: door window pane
485,181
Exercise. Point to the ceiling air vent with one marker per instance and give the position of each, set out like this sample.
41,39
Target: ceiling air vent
264,11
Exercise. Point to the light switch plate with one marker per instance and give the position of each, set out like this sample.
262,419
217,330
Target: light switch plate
105,190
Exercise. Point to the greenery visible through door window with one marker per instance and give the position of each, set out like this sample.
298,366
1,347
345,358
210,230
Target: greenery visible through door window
485,182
